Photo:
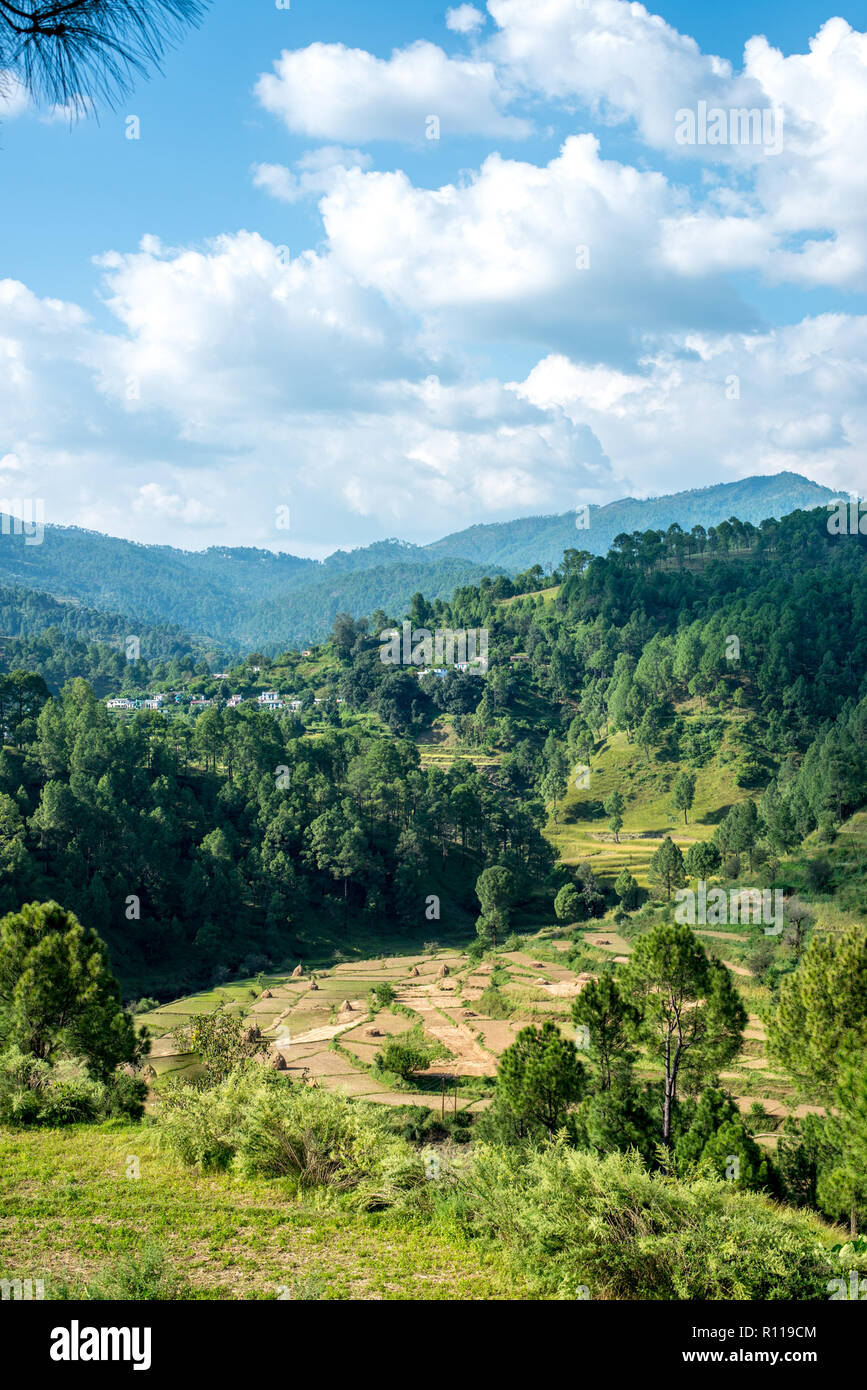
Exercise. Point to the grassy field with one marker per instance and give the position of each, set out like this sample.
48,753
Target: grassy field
581,834
70,1212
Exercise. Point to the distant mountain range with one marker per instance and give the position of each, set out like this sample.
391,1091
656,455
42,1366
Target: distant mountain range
542,539
244,598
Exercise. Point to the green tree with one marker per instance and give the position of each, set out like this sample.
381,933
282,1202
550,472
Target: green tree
684,793
404,1056
692,1017
666,869
539,1077
568,906
610,1019
842,1184
495,890
221,1041
702,859
614,806
717,1135
626,888
649,732
822,1011
58,996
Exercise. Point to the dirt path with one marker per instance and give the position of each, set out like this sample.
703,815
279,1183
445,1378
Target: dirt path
735,969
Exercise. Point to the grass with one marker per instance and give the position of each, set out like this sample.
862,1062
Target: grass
72,1217
581,832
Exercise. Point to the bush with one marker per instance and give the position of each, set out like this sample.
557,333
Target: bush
260,1124
382,995
31,1093
818,874
143,1006
569,1219
494,1004
146,1276
404,1055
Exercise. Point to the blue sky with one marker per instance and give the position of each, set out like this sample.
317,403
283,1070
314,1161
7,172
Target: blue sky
389,334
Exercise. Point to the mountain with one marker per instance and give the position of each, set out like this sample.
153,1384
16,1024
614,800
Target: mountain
242,597
542,539
238,597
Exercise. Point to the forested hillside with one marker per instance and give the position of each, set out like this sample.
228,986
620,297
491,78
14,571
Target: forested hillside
236,829
240,598
542,539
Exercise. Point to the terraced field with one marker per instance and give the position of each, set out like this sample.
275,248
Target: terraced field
323,1027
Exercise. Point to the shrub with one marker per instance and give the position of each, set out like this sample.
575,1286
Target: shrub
818,874
383,995
221,1041
494,1004
31,1093
260,1124
137,1277
143,1005
569,1218
404,1055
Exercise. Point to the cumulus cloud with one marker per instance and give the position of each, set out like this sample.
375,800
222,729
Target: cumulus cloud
805,220
317,171
711,407
568,254
331,92
464,19
234,377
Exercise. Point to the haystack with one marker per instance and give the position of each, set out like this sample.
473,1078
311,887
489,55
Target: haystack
299,970
413,974
251,1035
266,994
313,984
278,1061
442,972
346,1007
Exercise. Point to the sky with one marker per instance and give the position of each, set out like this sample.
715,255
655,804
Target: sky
346,271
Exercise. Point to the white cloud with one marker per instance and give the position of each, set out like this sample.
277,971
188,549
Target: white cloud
155,501
806,221
464,19
704,410
498,255
331,92
235,377
318,173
